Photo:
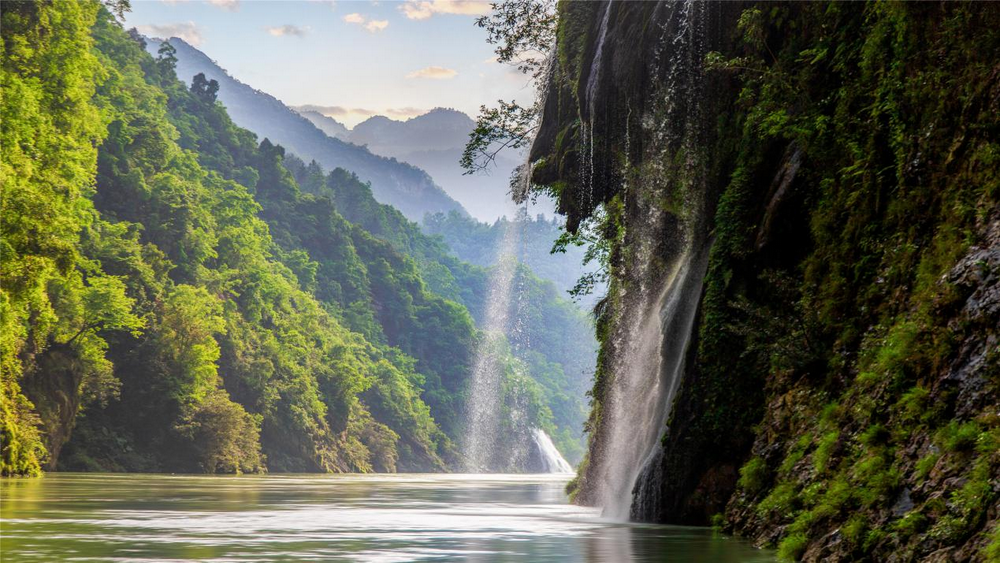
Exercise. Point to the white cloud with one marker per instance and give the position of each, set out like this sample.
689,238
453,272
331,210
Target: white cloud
422,9
331,3
282,30
188,31
433,72
231,5
405,112
373,26
351,115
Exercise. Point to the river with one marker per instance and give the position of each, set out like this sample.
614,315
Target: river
129,517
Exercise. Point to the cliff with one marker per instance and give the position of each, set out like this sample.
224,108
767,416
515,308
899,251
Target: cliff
830,385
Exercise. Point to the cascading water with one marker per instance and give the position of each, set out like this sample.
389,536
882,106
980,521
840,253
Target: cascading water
550,460
657,302
485,405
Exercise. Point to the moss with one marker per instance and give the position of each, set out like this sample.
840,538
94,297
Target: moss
991,551
792,547
753,475
911,524
924,466
855,530
958,436
874,477
781,500
824,449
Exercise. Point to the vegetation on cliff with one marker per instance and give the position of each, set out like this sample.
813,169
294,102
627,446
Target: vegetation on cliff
846,354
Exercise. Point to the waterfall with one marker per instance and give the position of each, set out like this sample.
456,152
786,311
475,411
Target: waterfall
656,306
486,394
550,460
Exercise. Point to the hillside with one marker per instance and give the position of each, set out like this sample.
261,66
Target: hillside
183,306
434,142
397,183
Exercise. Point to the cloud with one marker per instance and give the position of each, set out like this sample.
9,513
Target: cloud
373,26
433,72
355,115
188,31
293,30
406,112
230,5
421,10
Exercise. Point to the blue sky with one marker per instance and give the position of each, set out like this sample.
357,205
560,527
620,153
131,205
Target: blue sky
357,58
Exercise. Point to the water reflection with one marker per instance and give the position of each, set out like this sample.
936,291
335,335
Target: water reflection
83,517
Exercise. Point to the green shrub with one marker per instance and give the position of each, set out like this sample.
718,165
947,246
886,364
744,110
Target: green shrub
958,436
792,547
781,500
824,449
911,524
925,465
753,475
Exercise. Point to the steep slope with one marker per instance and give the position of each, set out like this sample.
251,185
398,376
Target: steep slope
328,125
554,338
836,391
404,186
438,129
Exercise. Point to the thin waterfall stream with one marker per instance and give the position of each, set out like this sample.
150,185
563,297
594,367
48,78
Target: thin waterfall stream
495,440
657,305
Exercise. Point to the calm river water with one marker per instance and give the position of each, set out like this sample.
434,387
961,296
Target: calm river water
117,517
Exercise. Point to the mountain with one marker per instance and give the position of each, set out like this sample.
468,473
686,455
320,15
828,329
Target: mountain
438,129
326,124
174,300
402,185
434,142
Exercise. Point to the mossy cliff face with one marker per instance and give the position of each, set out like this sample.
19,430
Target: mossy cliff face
840,393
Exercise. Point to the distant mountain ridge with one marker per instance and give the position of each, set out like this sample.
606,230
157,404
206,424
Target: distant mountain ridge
434,141
399,184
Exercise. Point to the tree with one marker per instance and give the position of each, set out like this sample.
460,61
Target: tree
203,89
523,32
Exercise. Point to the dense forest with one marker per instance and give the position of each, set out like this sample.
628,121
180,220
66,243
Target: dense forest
826,175
398,183
181,296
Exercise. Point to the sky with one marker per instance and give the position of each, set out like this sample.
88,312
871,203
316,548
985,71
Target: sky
353,58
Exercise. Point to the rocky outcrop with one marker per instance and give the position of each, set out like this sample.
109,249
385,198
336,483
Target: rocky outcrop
840,388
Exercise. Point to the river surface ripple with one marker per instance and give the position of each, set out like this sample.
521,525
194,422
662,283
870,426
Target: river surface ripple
379,518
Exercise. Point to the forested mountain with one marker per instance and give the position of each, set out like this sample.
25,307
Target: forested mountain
402,185
176,299
434,142
554,338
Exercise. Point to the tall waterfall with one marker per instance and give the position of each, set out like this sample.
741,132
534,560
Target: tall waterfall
657,301
485,407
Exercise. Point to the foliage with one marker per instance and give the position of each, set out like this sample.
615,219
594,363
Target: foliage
174,301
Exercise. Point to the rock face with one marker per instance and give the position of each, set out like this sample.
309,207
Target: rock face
838,392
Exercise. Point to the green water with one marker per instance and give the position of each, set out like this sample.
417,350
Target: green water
117,517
